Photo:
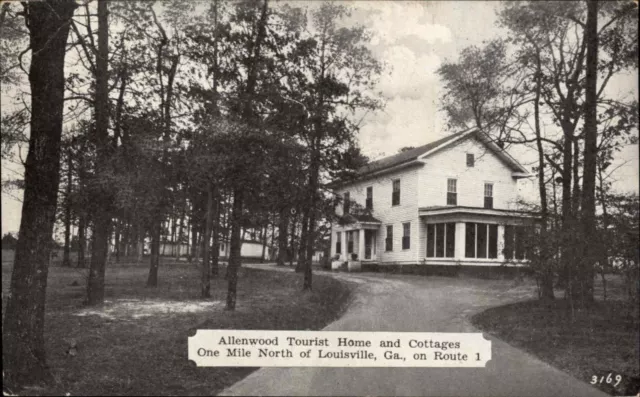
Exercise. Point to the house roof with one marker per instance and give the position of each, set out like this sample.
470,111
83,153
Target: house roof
414,156
406,156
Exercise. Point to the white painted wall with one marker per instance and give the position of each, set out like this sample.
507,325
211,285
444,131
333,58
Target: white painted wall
407,211
452,163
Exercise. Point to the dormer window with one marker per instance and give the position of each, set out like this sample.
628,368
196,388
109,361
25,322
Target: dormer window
470,160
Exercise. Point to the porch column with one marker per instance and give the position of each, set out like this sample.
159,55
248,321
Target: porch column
460,243
501,242
361,244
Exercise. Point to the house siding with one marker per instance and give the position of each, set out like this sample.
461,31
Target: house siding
452,163
407,211
425,185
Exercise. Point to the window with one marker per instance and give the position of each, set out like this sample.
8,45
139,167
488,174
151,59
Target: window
369,203
349,242
481,240
406,236
452,195
388,242
493,241
470,240
508,241
221,245
470,160
515,242
441,240
338,242
450,240
347,200
488,195
395,196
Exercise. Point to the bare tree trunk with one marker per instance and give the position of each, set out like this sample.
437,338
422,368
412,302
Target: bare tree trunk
102,217
234,250
81,241
291,251
206,271
282,237
546,279
215,254
23,353
264,242
302,246
154,260
66,260
589,241
248,113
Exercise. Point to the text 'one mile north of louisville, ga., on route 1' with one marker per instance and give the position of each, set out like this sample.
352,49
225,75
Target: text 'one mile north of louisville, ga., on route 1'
239,348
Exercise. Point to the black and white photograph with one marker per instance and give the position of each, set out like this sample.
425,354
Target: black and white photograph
320,198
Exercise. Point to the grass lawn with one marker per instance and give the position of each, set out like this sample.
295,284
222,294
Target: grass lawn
600,341
136,344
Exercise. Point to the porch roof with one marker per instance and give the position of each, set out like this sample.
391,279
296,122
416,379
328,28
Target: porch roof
457,209
363,218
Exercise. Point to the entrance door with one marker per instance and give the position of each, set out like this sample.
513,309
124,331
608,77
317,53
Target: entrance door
368,243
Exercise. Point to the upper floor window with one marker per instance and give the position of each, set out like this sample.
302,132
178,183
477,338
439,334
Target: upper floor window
406,236
488,195
345,206
470,160
388,241
452,192
369,203
395,196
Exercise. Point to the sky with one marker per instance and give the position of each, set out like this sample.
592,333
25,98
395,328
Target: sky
413,39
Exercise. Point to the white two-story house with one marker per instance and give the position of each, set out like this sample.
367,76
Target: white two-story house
450,202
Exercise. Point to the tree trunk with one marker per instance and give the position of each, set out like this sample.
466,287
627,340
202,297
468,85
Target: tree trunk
23,353
140,242
311,234
154,260
215,253
588,228
291,251
249,117
205,282
102,220
546,279
234,250
81,241
302,246
118,227
282,237
66,260
264,243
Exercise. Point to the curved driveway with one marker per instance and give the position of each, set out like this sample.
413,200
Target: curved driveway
384,302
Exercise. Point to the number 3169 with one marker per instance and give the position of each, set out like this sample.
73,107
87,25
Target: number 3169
608,379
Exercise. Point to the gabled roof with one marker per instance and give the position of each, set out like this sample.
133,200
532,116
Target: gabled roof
424,151
406,156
